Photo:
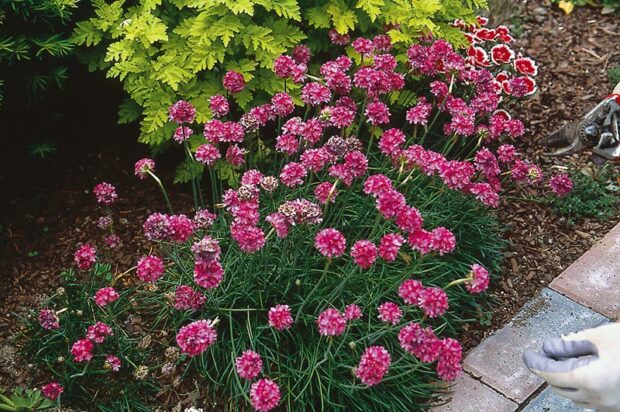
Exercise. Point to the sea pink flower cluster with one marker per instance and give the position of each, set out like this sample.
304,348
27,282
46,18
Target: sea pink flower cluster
479,279
432,300
85,257
280,317
331,322
194,338
105,193
249,365
330,242
112,363
389,312
150,268
98,332
182,112
373,366
143,166
168,228
186,298
561,185
82,350
52,390
105,296
48,319
265,395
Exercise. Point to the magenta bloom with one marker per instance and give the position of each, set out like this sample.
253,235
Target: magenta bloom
112,362
196,337
85,257
282,104
182,112
449,360
105,296
443,240
280,223
150,268
185,298
206,249
301,53
420,342
280,317
203,219
374,364
265,395
98,332
181,228
143,166
105,193
82,350
287,143
421,241
479,281
391,141
410,291
377,184
561,185
249,238
293,174
235,155
330,242
352,312
207,154
233,81
420,113
48,319
390,202
389,312
315,93
208,274
249,365
157,227
182,133
377,113
433,301
52,390
390,246
331,322
112,240
364,253
218,105
506,153
283,66
325,192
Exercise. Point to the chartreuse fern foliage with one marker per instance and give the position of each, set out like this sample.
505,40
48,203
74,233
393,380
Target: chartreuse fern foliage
166,50
34,40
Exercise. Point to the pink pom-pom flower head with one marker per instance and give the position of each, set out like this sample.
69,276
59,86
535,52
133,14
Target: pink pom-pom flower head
264,395
280,317
195,338
52,390
249,365
330,242
373,366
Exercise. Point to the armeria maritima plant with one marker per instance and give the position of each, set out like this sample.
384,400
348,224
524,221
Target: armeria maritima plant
334,274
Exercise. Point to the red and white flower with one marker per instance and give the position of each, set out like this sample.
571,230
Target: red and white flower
501,54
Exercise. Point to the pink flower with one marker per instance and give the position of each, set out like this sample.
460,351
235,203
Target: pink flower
362,46
105,296
443,240
235,155
48,319
293,174
231,132
208,274
287,143
330,242
420,342
486,162
150,268
485,194
98,332
207,154
352,312
218,105
280,223
364,253
282,104
185,298
410,291
391,141
420,113
112,240
52,390
143,166
421,241
196,337
390,246
390,202
506,153
314,94
264,395
331,322
233,81
182,133
377,113
337,38
377,184
389,312
249,365
515,128
479,279
182,112
283,66
301,53
249,238
374,364
561,185
409,219
456,174
113,363
82,350
449,360
85,257
382,43
105,193
339,116
181,228
325,192
433,301
280,317
213,130
251,177
206,249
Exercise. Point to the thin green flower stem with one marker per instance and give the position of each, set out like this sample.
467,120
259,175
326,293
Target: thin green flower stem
163,190
189,169
456,282
328,262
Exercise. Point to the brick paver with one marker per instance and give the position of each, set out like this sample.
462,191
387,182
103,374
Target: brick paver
497,360
469,394
548,401
594,279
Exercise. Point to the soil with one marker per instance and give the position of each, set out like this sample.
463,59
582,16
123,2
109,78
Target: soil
45,208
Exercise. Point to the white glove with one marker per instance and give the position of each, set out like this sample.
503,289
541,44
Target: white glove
617,89
583,367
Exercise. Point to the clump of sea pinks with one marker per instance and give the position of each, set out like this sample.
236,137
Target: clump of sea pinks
279,281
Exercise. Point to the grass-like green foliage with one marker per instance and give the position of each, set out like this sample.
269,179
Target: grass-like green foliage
34,40
614,75
592,196
163,51
311,370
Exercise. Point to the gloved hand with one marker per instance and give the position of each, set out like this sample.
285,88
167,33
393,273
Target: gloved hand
583,367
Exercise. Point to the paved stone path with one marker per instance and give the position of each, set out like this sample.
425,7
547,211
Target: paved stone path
585,295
